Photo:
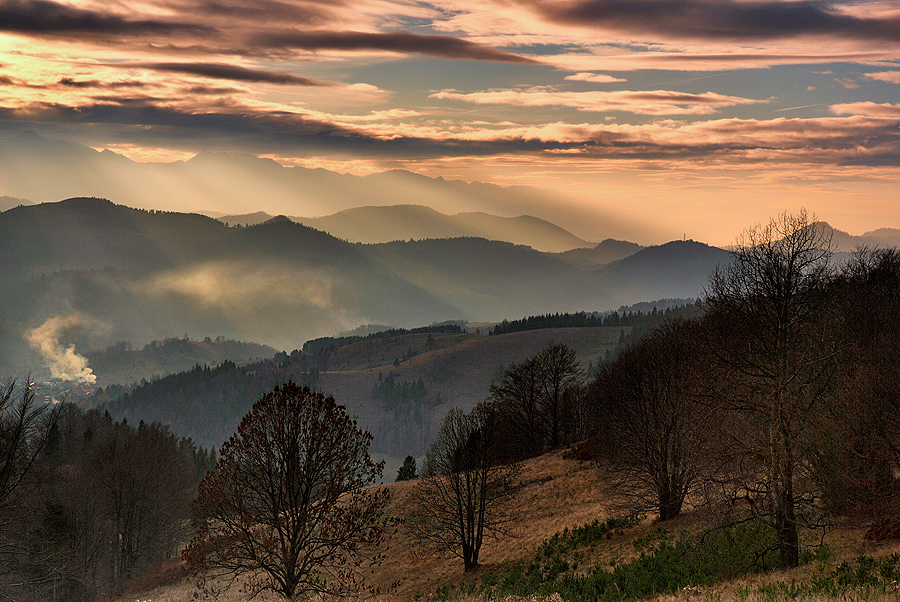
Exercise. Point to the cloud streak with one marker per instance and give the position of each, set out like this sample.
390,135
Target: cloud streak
650,102
234,73
722,19
44,17
597,78
447,47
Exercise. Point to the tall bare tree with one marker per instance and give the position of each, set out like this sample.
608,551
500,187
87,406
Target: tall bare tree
538,402
655,430
465,495
517,398
562,379
767,312
285,508
26,425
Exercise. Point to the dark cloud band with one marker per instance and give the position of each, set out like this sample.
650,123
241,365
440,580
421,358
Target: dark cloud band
399,41
720,19
826,141
234,73
51,18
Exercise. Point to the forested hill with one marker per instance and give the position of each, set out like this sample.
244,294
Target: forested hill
122,364
398,386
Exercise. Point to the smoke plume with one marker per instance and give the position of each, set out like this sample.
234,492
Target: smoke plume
62,359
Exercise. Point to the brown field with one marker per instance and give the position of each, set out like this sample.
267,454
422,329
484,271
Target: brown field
557,493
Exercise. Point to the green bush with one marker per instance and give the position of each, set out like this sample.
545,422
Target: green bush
666,565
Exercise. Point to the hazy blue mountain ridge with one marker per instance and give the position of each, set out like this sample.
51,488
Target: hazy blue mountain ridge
90,273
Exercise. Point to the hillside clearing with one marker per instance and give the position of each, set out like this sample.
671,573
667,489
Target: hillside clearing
560,493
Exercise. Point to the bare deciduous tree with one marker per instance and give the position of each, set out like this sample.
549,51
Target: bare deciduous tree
562,377
285,509
538,401
654,428
517,397
767,312
26,424
465,495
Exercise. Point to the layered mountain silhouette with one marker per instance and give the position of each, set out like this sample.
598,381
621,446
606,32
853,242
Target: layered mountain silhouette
404,222
42,170
848,243
137,275
604,252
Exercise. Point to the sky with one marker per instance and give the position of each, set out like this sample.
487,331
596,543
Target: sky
704,115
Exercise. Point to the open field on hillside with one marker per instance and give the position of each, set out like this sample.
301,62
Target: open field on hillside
457,372
559,494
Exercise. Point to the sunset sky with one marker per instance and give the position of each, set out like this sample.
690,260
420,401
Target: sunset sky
707,115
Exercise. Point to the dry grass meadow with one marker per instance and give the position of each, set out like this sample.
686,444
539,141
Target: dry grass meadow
557,493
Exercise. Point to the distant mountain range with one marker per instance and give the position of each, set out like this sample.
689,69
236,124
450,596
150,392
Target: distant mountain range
43,170
882,238
89,273
604,252
404,222
8,202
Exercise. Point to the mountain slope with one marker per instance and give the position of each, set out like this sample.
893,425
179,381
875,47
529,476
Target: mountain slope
207,404
844,242
605,252
386,224
494,280
112,273
8,202
675,269
90,273
522,230
404,222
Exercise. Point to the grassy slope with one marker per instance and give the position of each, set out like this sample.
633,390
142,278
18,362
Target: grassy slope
561,493
459,368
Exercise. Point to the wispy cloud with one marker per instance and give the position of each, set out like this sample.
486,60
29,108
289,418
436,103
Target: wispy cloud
397,41
597,78
650,102
869,109
891,77
44,17
234,73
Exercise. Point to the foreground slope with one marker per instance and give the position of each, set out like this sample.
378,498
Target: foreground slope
558,493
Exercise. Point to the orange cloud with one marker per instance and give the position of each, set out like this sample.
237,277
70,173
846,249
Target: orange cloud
650,102
869,109
891,77
597,78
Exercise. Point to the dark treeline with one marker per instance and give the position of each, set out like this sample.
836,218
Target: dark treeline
120,363
640,319
406,411
390,393
319,345
92,506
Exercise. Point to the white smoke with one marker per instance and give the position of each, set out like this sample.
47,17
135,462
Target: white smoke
64,362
